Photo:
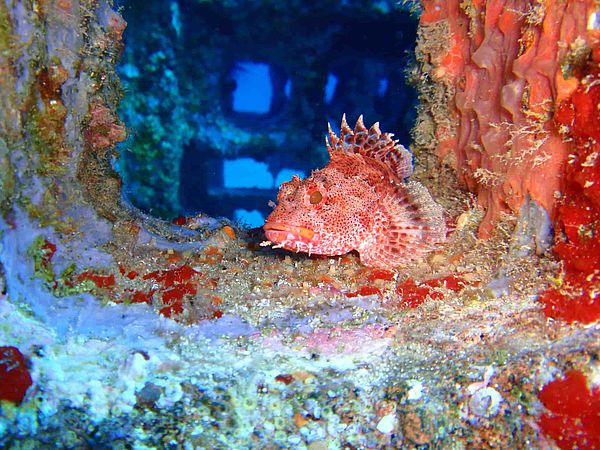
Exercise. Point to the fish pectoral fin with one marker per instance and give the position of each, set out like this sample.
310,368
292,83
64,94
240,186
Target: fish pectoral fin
411,224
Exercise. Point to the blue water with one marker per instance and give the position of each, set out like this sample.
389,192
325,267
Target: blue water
225,104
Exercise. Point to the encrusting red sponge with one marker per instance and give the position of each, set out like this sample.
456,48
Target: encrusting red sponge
14,375
572,417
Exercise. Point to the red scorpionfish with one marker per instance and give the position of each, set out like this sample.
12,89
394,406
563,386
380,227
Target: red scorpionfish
358,201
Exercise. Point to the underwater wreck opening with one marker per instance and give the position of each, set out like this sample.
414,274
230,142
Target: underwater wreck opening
215,94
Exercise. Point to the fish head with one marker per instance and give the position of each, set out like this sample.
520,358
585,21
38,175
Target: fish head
324,214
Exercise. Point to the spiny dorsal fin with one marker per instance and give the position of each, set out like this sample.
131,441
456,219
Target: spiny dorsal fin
411,225
371,143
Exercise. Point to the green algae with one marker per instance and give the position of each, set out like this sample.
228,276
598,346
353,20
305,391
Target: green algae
7,179
64,284
7,54
41,255
6,31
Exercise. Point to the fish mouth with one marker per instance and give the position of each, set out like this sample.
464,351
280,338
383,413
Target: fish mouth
281,233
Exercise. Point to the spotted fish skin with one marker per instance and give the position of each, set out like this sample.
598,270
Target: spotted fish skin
358,201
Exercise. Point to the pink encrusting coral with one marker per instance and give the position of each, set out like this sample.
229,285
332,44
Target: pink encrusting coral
104,128
504,68
359,201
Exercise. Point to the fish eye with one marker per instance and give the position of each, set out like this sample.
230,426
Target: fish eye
315,198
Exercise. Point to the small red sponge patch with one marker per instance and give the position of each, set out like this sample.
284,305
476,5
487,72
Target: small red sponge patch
572,418
14,375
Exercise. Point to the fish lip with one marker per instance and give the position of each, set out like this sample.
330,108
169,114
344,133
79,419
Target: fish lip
278,232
